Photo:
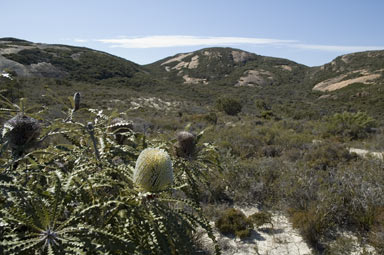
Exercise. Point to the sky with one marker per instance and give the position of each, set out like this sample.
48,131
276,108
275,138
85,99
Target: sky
309,32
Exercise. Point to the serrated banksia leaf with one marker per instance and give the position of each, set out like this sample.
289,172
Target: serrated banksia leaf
153,171
118,126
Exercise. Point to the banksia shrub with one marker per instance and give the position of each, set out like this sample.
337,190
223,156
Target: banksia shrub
186,144
21,132
118,126
153,171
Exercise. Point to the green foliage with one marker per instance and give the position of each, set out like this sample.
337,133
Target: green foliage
78,196
266,114
261,218
350,125
327,155
376,235
77,63
10,89
198,170
234,222
282,153
312,225
229,105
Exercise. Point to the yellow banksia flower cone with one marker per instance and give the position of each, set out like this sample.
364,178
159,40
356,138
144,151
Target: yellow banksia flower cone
153,171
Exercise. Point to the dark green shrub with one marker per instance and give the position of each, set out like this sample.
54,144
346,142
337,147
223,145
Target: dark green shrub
229,105
325,155
234,222
267,114
311,224
211,117
261,218
349,125
376,235
11,89
262,105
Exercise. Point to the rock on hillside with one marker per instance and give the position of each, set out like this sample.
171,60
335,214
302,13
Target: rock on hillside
227,66
361,67
29,59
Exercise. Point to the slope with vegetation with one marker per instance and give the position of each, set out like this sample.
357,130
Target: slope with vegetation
270,141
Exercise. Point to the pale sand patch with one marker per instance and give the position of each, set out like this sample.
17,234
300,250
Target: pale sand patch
346,58
254,78
190,80
278,238
207,53
366,153
15,49
336,83
153,102
240,56
286,67
178,58
181,65
194,62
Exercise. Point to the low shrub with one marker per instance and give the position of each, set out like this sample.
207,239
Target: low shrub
349,125
326,155
376,235
261,218
311,224
234,222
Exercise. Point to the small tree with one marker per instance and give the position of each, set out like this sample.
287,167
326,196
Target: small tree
229,105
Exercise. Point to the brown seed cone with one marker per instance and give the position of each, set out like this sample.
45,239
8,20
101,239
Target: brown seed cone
76,99
186,144
23,132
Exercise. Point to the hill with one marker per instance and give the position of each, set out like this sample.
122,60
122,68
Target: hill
351,82
228,66
361,67
29,59
298,154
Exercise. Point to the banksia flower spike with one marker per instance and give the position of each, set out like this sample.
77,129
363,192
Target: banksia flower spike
91,132
21,132
153,171
76,100
186,144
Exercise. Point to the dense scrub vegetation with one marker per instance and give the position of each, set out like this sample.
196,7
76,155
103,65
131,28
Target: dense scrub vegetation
286,149
67,187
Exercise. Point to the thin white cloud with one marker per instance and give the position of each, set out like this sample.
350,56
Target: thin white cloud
166,41
80,40
335,48
182,41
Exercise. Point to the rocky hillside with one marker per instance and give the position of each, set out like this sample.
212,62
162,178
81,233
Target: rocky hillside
227,66
29,59
210,66
362,68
